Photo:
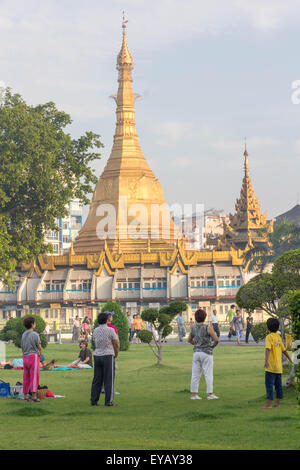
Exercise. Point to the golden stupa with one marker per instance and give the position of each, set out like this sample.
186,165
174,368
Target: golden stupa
128,185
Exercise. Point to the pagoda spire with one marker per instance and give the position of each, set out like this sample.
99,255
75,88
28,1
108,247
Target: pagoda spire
126,176
247,222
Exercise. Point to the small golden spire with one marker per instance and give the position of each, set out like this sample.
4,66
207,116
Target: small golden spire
246,164
124,57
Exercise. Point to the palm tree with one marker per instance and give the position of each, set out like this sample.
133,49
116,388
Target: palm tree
285,236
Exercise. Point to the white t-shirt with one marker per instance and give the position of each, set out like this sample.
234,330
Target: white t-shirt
213,318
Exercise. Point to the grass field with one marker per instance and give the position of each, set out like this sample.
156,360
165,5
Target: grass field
155,410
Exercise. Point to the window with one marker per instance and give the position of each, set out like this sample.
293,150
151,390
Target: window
147,285
210,282
136,285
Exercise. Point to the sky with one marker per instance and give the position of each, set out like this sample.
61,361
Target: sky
210,74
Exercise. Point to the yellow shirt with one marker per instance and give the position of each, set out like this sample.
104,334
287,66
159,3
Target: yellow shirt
276,346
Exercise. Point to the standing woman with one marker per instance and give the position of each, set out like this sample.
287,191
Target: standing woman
204,340
76,330
86,326
32,355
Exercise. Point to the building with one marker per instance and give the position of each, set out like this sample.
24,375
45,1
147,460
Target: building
246,226
69,228
148,271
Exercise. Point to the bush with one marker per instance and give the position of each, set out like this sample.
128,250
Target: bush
119,320
259,331
145,336
14,329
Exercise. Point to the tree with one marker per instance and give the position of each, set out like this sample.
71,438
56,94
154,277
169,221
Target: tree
269,291
120,321
285,236
160,322
41,170
14,328
261,293
294,303
286,272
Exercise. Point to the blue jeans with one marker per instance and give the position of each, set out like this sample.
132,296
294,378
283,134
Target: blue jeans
271,380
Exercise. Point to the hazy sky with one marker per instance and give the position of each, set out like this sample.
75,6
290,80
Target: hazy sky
210,73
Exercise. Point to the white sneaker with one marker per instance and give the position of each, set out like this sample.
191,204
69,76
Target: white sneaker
196,398
212,397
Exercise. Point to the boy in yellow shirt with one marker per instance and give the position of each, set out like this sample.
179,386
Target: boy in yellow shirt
273,363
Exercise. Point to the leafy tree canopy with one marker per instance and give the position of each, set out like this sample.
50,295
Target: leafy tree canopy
41,170
285,236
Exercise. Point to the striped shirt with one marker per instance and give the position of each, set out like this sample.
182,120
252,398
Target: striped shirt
103,336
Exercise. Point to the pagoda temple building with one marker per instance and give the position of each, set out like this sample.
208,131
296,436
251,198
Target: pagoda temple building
148,271
248,226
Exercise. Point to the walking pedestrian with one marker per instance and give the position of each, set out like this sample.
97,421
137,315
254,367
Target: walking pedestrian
107,347
181,327
238,323
249,325
32,356
229,317
86,326
76,330
213,321
201,338
137,326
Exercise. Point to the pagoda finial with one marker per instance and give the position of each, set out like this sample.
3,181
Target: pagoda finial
246,164
124,57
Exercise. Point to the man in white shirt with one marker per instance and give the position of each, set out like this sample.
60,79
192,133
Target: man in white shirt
213,321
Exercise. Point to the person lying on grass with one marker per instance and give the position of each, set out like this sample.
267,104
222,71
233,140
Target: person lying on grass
273,363
85,358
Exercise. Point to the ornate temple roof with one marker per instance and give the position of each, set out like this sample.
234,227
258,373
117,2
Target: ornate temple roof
246,224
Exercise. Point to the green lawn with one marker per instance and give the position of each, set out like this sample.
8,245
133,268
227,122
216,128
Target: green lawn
154,411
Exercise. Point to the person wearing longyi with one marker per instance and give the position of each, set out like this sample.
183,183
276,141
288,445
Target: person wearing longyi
32,355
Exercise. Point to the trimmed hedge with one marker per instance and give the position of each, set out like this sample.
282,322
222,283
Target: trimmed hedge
14,328
119,320
259,331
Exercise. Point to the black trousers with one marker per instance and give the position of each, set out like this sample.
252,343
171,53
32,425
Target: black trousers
216,328
104,373
248,333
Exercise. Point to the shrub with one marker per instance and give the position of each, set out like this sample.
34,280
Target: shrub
119,320
145,336
14,328
259,331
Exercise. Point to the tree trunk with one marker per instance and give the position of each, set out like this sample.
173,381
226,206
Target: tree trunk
291,377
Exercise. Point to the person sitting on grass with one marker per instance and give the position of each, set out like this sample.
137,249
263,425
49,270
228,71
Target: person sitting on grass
273,363
85,358
32,354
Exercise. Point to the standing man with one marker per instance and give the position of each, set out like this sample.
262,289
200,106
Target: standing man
238,323
180,326
249,325
213,321
107,347
129,325
137,326
229,318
